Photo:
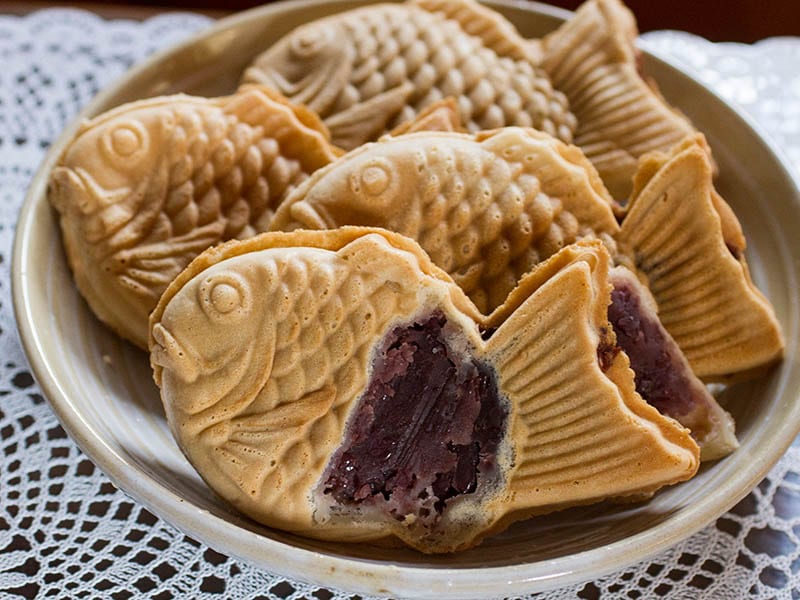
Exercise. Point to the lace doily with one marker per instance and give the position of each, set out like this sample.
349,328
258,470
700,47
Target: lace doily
65,531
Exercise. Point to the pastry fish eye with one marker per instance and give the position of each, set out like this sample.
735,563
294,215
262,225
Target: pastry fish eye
375,179
125,143
310,41
225,297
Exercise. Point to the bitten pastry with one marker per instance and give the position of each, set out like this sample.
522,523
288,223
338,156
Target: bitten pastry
663,376
146,187
687,241
367,70
592,59
336,384
485,207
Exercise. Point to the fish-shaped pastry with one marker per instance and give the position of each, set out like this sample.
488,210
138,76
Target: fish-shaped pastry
367,70
486,207
686,239
144,188
621,115
662,373
337,384
489,207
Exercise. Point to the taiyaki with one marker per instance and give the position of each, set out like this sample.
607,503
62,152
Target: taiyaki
486,207
592,59
337,384
146,187
663,376
687,241
488,227
367,70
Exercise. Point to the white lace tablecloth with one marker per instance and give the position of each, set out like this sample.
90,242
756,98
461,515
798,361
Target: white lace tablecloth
65,531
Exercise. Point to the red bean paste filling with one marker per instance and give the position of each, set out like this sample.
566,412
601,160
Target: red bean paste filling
660,375
426,430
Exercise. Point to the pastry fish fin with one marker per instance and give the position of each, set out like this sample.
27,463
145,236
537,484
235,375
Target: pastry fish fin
384,256
700,281
298,130
398,258
621,116
580,432
367,120
253,103
563,171
439,116
588,252
246,452
148,269
276,421
494,30
305,215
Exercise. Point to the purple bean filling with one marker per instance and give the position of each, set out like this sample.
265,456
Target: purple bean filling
661,376
426,429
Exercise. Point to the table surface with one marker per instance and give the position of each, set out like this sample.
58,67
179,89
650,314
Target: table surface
65,531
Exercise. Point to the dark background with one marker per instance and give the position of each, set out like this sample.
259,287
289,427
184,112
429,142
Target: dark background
717,20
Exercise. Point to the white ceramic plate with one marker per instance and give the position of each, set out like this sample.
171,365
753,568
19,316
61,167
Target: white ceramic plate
101,388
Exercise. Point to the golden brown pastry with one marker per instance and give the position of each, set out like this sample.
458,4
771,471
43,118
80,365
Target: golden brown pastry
687,241
592,59
487,227
146,187
485,207
336,384
439,116
367,70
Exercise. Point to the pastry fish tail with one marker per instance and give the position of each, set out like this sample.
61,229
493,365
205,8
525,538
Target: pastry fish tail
580,431
680,234
592,59
368,119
